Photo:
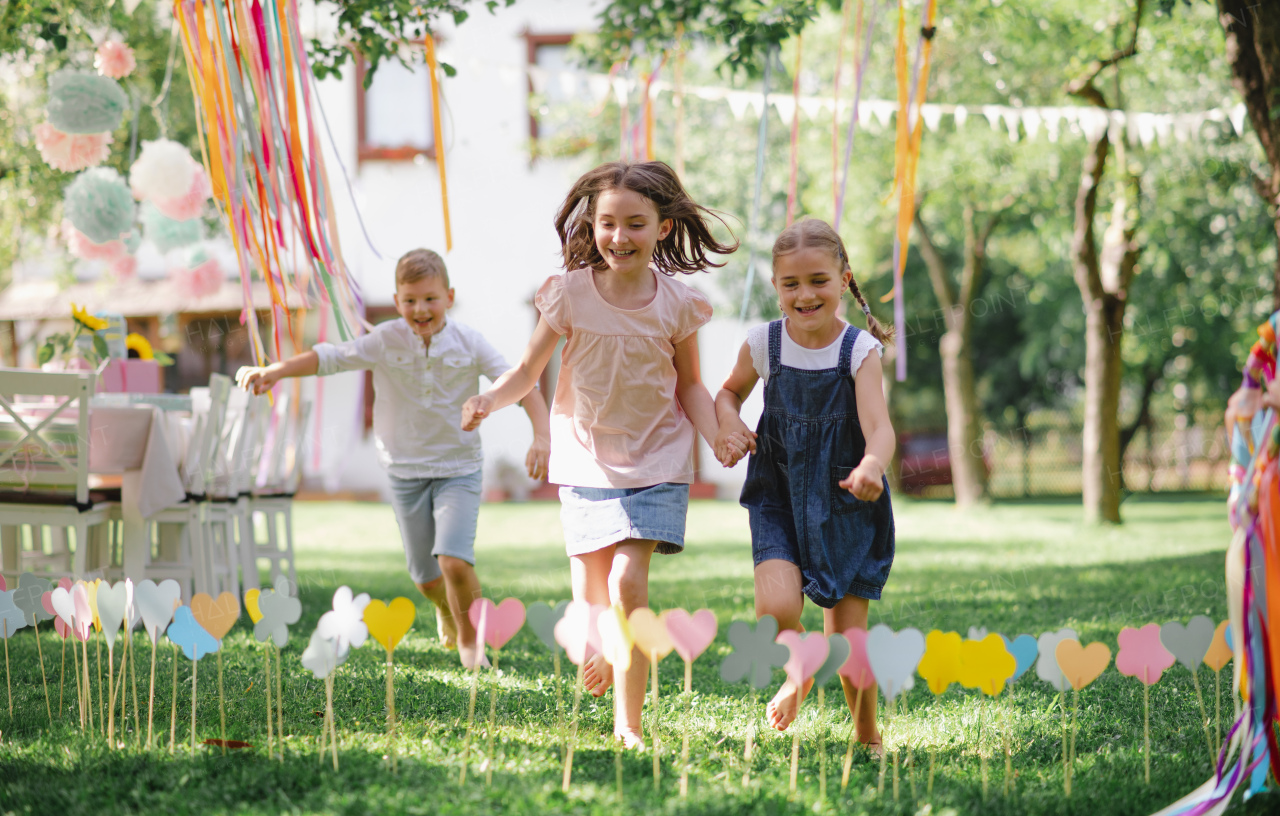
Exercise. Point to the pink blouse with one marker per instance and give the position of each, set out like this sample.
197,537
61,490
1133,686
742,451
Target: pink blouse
615,420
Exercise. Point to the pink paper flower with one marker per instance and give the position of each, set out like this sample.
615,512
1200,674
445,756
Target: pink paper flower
125,267
79,245
190,205
71,152
202,280
114,59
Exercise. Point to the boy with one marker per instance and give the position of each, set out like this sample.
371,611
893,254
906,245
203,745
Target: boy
424,368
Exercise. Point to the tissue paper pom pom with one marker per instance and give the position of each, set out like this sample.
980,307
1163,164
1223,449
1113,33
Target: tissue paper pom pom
191,204
167,233
81,102
124,267
133,241
201,277
81,247
163,170
98,204
68,152
114,59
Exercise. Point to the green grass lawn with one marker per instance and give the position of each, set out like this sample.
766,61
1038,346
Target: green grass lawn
1013,568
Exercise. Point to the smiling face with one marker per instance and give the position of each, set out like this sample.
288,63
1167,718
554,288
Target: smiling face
627,230
423,303
809,282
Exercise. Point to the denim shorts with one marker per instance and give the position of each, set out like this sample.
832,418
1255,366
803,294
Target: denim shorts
436,517
597,517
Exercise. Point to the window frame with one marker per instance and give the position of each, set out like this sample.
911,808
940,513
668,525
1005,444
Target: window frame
532,43
367,152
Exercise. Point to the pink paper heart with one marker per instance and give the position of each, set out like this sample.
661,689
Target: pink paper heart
502,621
1142,655
46,600
577,632
83,613
691,634
857,669
808,653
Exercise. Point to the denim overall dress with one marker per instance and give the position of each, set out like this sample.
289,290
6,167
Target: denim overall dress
809,440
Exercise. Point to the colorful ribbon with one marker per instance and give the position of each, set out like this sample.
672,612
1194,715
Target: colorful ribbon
433,67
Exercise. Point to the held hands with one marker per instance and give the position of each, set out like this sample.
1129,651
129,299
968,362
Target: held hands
257,380
535,462
733,441
865,482
476,409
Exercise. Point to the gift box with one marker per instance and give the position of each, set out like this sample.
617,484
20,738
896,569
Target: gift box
130,376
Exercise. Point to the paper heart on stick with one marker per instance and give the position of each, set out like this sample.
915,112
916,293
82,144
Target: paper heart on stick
986,664
389,623
59,626
894,657
837,656
578,631
251,597
857,668
156,602
756,653
807,653
1219,653
1142,655
1081,665
1024,650
190,636
92,587
1188,644
616,642
11,617
27,597
321,656
502,620
542,620
276,612
216,616
1047,668
977,632
63,606
344,624
940,666
650,633
690,634
83,612
113,601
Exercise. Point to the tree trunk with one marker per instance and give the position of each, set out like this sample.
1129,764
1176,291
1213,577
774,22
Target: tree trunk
1104,328
1252,30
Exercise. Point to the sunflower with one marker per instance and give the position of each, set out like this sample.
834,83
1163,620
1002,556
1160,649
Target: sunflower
82,316
138,343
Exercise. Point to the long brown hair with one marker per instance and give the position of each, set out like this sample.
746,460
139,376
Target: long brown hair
684,249
813,233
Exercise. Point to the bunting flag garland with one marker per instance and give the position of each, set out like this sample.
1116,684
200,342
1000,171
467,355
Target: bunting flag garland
253,93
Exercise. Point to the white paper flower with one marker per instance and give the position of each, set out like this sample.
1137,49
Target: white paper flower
345,625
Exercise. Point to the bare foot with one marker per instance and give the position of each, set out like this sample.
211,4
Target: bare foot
785,705
446,629
875,748
597,675
631,738
468,655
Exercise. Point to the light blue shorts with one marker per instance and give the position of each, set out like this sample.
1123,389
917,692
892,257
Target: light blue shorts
597,517
436,517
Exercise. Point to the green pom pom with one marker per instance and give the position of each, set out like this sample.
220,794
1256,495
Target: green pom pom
133,242
83,102
167,233
99,204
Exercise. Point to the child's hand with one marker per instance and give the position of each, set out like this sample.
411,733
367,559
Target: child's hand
257,380
734,441
536,460
865,482
474,410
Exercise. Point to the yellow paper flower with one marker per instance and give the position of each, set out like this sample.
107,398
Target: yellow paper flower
87,320
138,343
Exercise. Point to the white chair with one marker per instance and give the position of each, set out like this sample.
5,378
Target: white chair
219,509
246,456
44,475
277,483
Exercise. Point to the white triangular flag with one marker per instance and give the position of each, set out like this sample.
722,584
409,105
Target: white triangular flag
1052,118
812,106
1237,118
932,115
738,102
883,111
538,78
992,112
620,90
1011,118
786,107
961,114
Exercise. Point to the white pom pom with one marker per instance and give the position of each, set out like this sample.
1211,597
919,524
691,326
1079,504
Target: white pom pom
164,170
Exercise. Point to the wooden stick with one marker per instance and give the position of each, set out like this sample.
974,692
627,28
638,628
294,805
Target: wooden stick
894,705
173,703
279,705
573,732
151,695
475,686
75,656
822,746
8,683
195,687
933,755
333,728
657,742
391,709
617,755
111,697
324,732
62,676
97,645
982,755
1204,718
133,681
1146,725
40,649
493,706
559,706
1075,727
853,733
1217,711
88,692
1008,749
795,760
1066,755
884,748
684,747
751,736
266,661
222,708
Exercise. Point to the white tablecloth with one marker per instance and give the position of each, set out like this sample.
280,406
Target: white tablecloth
137,438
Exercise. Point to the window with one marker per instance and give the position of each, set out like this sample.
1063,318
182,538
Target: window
550,53
393,117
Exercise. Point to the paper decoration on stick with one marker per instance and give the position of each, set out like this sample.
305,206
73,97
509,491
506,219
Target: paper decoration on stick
690,636
1143,656
1047,668
616,645
1189,644
940,665
113,603
1024,650
893,658
321,657
542,619
217,617
83,623
986,664
502,621
29,597
389,623
1216,658
807,654
857,670
653,639
837,656
277,611
1078,666
11,620
345,624
756,653
195,642
578,634
155,604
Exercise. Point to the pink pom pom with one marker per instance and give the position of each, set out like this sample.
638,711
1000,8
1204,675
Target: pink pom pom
114,59
80,246
125,268
200,281
191,205
71,152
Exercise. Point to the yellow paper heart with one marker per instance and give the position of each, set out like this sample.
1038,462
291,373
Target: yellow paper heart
649,631
615,638
1219,653
390,623
215,616
1081,665
251,604
92,587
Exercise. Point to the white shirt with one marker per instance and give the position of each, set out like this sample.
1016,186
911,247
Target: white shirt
419,394
795,355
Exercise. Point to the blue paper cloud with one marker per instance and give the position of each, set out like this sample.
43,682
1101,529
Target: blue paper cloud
11,617
194,640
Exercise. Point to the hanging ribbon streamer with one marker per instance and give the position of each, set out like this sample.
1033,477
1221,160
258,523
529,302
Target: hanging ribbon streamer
648,108
857,104
754,226
795,133
845,10
434,70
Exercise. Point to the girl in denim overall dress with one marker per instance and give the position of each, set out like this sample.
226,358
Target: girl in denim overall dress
821,519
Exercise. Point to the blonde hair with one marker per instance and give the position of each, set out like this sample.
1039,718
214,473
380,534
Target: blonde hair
419,264
813,233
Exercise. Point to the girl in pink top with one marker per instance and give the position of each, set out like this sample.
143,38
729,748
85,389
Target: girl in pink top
630,398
